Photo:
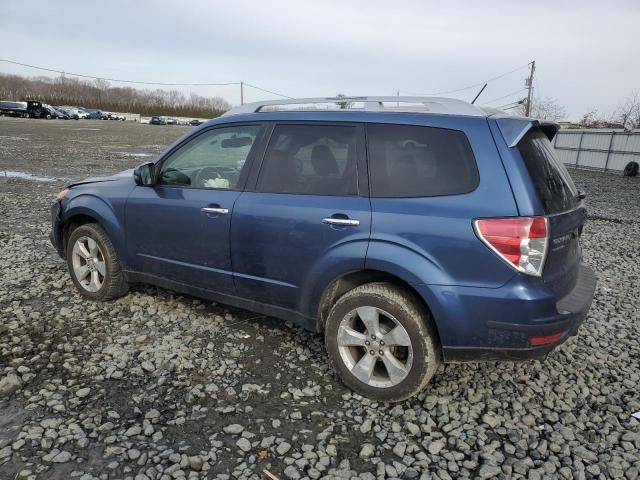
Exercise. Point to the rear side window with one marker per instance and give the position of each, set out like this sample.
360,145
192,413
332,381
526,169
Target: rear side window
311,160
553,183
410,161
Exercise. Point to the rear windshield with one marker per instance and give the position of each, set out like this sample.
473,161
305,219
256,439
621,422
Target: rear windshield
553,183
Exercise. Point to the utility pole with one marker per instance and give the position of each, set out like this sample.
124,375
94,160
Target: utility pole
529,85
241,92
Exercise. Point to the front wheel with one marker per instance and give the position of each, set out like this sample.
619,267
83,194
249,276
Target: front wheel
94,265
382,342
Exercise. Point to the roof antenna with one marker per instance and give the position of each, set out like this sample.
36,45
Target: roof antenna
481,90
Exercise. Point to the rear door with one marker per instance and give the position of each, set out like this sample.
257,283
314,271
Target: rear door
308,214
565,212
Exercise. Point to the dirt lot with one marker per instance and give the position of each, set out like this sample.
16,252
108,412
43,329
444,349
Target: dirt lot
161,386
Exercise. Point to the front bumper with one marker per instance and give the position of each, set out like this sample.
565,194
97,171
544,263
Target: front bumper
500,324
55,236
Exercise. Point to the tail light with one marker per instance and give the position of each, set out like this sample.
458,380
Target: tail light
520,241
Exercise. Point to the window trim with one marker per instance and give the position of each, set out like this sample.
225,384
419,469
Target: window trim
362,175
475,160
246,168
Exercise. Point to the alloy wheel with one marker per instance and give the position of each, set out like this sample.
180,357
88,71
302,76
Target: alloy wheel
89,266
375,347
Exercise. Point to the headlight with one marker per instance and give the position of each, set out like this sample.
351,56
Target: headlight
62,194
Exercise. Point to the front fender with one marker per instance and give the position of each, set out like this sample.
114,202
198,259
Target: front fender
104,214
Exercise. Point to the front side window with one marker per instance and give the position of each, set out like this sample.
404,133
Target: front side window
311,160
214,159
411,161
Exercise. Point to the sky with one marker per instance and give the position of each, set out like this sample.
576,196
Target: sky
586,51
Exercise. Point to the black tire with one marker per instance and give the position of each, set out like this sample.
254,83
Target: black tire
408,312
631,169
114,284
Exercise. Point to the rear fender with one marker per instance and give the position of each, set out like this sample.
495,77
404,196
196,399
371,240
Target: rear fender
337,262
391,258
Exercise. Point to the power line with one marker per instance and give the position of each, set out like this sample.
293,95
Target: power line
479,84
504,96
61,72
509,105
267,91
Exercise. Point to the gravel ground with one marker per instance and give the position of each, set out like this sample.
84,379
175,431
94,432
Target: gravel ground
161,386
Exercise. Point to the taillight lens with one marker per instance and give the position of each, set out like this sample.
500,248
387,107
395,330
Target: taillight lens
520,241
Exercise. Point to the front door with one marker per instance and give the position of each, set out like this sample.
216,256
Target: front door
178,229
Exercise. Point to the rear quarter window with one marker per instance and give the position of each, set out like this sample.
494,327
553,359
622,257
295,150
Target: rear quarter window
550,178
414,161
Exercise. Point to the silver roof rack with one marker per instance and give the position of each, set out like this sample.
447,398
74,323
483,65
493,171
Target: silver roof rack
447,106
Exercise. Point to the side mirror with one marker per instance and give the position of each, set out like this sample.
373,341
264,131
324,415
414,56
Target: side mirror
143,174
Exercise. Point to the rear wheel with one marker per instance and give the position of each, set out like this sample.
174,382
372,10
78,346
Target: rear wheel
94,265
382,342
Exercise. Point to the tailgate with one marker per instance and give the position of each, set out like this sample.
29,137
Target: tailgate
565,212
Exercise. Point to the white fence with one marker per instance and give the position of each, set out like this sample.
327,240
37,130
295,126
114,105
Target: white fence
607,150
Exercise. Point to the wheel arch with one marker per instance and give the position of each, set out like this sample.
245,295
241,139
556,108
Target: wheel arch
347,282
89,209
73,222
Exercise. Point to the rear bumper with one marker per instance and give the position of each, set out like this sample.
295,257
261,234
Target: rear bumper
55,236
519,321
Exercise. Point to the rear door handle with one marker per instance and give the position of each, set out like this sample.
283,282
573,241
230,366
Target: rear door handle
343,222
215,210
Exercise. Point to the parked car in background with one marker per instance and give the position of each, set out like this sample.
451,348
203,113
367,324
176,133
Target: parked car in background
43,110
93,114
82,113
62,115
195,122
171,121
14,109
157,121
38,109
115,116
408,236
68,111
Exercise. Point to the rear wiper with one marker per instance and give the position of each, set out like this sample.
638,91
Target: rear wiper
581,195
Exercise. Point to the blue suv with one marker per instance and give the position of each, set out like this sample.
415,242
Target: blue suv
410,231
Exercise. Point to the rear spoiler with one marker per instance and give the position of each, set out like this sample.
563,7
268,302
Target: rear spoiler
514,128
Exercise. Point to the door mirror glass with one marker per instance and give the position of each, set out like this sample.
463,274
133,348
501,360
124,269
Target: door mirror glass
143,175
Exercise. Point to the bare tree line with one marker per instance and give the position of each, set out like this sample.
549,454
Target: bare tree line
101,95
626,115
546,108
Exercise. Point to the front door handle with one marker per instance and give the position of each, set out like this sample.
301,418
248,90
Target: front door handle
343,222
215,210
